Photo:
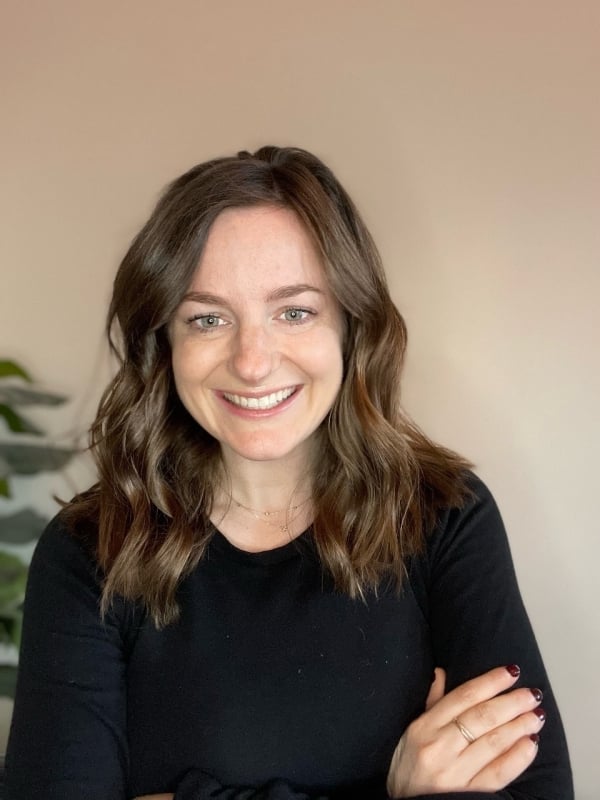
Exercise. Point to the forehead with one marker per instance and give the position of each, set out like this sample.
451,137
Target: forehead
262,245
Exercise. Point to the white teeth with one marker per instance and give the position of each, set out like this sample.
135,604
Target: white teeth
264,402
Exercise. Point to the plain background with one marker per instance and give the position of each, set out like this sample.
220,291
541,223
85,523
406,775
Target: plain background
468,133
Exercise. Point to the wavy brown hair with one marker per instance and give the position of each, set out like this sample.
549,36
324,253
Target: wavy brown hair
378,482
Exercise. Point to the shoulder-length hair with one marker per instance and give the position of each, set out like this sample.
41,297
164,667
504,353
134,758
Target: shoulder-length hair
378,483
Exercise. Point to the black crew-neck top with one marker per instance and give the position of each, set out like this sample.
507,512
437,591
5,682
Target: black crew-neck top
272,684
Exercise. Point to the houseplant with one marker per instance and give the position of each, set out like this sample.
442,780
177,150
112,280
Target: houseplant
24,450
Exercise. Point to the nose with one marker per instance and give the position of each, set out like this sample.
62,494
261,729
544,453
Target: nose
255,354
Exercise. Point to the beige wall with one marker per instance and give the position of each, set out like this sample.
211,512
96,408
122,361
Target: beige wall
468,132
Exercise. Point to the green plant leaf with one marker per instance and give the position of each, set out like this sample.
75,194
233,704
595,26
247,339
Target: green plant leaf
13,578
13,395
22,527
8,680
13,627
29,459
17,423
4,634
4,487
10,368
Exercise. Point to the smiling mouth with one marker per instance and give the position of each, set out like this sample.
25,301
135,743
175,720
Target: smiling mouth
263,403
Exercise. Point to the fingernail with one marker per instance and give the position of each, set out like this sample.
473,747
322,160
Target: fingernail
540,714
537,694
513,670
535,738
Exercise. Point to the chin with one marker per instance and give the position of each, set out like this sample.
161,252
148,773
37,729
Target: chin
266,450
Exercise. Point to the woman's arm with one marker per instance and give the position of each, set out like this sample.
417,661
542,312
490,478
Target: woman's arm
68,734
467,588
198,785
68,737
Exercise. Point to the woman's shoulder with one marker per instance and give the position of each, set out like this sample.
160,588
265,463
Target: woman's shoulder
68,545
65,567
466,554
476,497
474,523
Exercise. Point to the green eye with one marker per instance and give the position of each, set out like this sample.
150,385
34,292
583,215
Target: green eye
206,322
295,314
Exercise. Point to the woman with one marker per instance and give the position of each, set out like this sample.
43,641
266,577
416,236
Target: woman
279,587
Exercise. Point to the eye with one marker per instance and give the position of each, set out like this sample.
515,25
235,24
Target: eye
206,322
296,315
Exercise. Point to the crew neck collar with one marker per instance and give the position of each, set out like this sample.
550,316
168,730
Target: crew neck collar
292,549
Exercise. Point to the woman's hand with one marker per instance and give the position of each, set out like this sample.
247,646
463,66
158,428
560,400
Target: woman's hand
155,797
472,739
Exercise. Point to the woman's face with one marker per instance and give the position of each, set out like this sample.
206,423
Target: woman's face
257,341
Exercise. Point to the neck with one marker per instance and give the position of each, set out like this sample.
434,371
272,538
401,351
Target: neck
249,488
264,485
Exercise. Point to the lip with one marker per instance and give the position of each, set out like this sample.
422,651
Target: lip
258,413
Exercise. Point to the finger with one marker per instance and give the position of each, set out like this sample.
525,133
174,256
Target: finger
436,692
491,714
485,758
472,693
506,767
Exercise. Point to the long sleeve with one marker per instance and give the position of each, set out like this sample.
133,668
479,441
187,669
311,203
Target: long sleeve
68,736
271,686
468,590
198,785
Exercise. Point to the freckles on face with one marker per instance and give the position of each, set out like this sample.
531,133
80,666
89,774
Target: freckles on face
257,341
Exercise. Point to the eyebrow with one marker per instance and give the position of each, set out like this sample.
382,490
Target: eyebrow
282,293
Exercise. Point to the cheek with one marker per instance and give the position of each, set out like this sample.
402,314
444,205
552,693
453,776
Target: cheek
187,377
326,357
189,361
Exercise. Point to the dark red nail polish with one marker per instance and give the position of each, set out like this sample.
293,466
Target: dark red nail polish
540,714
537,694
513,670
535,738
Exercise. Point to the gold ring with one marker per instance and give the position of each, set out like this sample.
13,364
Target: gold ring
464,730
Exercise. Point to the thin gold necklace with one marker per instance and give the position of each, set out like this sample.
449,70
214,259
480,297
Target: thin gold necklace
263,516
287,509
